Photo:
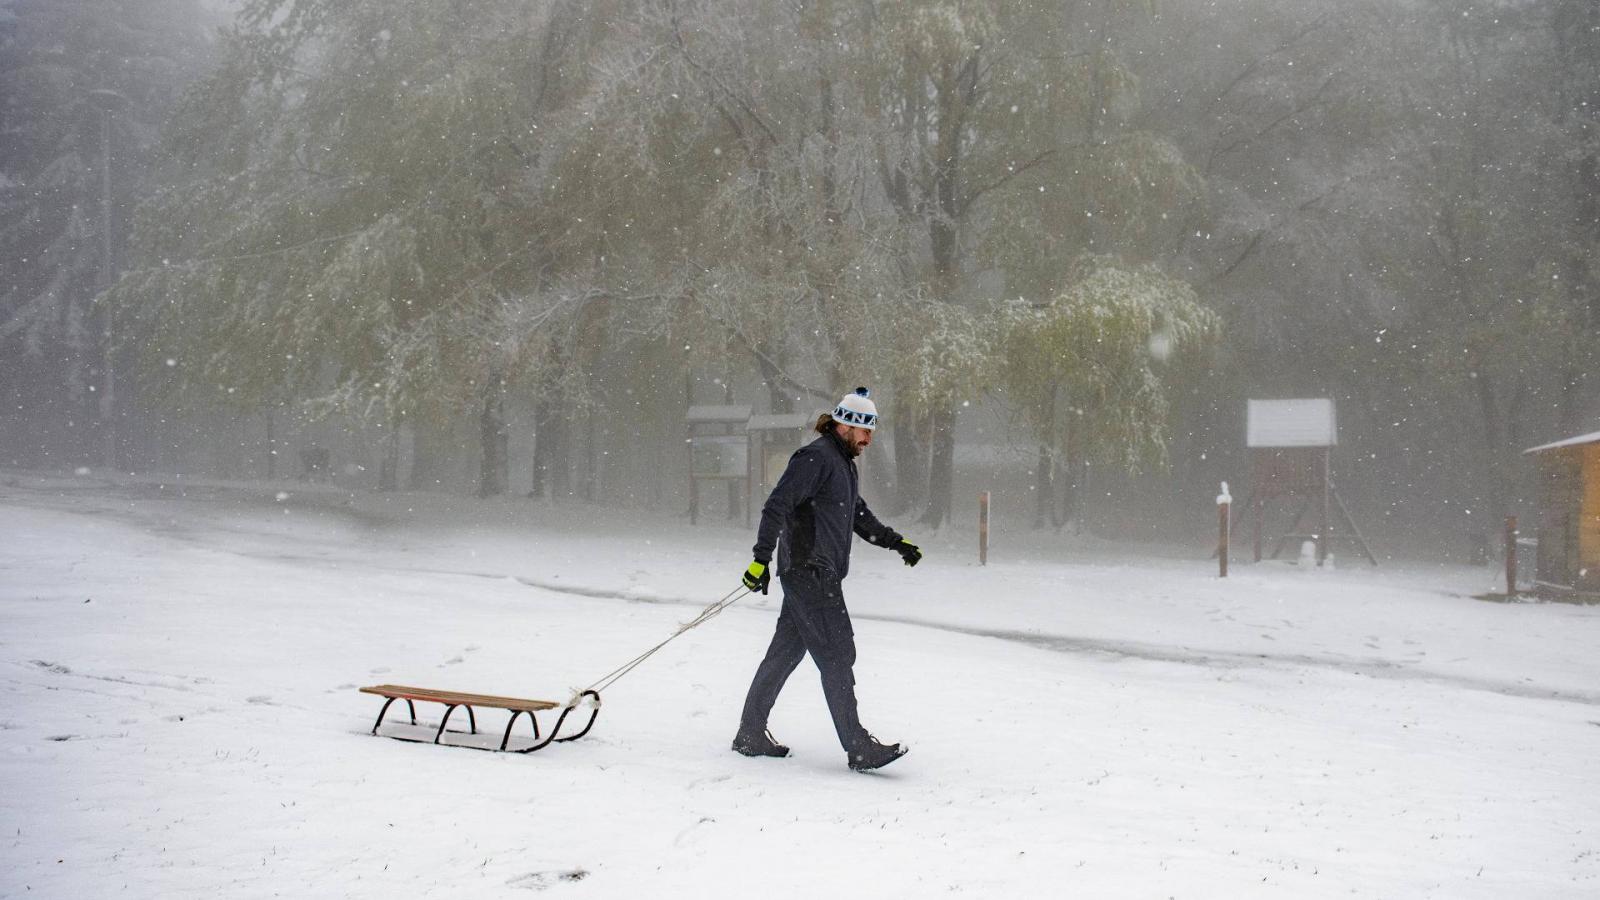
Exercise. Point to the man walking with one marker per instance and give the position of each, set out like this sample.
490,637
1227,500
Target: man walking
815,507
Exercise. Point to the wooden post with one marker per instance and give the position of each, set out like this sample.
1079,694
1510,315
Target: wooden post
1260,511
983,528
1224,504
1511,556
1323,538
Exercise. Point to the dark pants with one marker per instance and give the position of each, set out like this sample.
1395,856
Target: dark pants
814,620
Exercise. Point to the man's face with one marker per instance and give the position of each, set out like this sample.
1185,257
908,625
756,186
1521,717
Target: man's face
855,438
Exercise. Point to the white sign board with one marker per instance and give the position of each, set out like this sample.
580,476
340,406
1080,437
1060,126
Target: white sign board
1290,423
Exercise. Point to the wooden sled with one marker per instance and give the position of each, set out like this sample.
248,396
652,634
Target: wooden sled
514,705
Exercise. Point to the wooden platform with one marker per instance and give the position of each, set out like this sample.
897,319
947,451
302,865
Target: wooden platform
517,706
455,698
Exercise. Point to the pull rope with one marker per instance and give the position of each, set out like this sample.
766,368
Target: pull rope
605,681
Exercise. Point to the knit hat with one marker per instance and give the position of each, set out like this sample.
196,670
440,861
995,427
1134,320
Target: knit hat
856,409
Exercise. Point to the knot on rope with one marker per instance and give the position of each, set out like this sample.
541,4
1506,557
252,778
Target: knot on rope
583,697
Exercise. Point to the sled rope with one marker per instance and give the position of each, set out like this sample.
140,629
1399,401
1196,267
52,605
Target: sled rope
704,616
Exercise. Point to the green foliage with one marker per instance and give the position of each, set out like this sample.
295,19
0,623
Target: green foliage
1092,372
365,210
948,355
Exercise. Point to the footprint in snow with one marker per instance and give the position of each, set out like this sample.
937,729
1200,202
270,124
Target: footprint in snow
538,881
260,700
454,660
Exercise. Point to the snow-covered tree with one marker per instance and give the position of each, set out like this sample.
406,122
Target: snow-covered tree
1001,133
1091,372
84,85
357,220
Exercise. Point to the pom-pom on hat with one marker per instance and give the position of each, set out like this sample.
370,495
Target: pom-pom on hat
857,409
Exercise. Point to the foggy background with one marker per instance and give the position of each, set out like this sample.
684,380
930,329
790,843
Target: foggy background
499,247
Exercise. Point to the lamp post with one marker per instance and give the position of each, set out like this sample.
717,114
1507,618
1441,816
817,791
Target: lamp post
109,102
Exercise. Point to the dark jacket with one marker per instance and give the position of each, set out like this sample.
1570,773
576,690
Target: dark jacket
814,507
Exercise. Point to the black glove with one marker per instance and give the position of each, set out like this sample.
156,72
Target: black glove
756,578
908,551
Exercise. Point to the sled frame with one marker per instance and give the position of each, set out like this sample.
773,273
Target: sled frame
451,700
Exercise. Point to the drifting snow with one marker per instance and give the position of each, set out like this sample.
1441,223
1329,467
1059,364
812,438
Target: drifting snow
179,714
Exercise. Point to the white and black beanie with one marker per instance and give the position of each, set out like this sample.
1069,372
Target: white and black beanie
857,409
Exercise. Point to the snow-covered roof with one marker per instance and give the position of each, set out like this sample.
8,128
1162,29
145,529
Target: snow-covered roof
1580,440
702,414
779,421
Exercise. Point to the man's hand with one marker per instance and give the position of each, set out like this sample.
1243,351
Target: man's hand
908,551
756,578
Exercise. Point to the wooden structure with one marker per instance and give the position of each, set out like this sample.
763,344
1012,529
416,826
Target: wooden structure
453,699
1568,554
1291,444
773,439
718,451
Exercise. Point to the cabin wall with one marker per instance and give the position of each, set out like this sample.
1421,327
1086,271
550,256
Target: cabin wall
1560,482
1588,526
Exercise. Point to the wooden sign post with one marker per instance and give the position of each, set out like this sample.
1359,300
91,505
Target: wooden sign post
1224,503
983,528
1511,556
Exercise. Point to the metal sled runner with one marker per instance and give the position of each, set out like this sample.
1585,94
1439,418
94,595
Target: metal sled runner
516,706
589,696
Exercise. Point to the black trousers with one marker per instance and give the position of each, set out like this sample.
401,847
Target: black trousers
813,620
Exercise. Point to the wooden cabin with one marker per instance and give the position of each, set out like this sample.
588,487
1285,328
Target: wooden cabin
1569,517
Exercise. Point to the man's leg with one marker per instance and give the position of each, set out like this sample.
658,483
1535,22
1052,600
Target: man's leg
823,624
783,655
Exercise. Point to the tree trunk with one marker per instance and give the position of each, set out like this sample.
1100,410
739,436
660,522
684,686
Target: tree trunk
941,469
1045,480
591,453
389,465
1044,485
430,447
910,460
1074,493
777,394
550,453
495,472
272,450
1494,447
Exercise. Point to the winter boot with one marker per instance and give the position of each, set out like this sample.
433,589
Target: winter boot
758,743
869,754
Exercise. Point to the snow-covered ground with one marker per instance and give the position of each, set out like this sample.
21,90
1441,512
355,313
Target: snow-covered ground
179,714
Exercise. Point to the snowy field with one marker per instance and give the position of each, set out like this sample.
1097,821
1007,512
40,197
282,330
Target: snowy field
179,714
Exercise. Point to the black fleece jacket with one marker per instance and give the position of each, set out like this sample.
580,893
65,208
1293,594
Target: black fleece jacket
814,507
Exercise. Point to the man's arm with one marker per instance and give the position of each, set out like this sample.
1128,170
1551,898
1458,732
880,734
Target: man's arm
797,485
872,530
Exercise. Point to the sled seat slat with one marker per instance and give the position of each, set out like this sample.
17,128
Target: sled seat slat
456,698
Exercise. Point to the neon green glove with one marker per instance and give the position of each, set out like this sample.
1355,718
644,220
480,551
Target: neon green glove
756,578
908,551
